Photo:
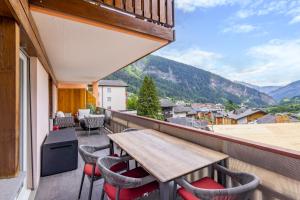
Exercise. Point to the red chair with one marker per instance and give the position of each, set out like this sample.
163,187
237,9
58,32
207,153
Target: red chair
208,189
129,185
90,168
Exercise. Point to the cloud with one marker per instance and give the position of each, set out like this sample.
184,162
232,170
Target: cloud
295,20
191,5
274,63
240,28
288,8
193,56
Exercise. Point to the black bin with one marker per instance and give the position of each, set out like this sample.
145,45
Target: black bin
59,152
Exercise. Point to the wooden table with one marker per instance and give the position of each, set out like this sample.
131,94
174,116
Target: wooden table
165,157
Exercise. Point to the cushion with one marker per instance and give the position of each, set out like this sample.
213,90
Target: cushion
94,115
60,114
88,168
132,193
205,183
83,112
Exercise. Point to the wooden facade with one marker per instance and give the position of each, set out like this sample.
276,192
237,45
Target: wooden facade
70,100
9,97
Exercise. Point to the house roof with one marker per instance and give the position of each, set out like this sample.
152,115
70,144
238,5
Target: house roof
182,109
185,121
246,113
165,103
267,119
271,118
114,83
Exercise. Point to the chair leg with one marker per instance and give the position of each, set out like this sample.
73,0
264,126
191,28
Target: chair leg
121,153
136,164
174,191
92,184
81,184
102,192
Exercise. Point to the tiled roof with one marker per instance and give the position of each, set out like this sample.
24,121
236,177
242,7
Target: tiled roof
115,83
166,103
182,109
244,114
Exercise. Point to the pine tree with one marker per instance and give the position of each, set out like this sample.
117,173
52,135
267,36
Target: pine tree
148,103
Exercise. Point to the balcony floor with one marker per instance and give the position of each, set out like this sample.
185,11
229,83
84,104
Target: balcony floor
65,186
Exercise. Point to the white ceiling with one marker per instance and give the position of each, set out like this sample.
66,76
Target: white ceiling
83,53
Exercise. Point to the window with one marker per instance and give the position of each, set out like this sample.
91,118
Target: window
108,90
109,99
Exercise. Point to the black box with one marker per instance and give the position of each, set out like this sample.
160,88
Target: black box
59,152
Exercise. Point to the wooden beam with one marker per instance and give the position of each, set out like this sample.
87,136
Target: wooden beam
4,10
99,14
20,11
9,97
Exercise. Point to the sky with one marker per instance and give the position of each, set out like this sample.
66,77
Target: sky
254,41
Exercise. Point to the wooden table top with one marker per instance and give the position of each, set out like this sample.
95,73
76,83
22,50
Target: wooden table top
164,156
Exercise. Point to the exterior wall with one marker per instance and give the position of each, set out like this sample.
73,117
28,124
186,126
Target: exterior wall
179,115
255,116
242,120
117,95
70,100
40,113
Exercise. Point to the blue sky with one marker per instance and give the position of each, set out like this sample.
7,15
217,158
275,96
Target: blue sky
256,41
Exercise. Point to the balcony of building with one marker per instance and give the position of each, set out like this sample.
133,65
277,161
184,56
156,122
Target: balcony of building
277,167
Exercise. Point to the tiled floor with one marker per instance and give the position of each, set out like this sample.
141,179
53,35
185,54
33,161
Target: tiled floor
65,186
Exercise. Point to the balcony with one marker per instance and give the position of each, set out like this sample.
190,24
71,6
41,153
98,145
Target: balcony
267,162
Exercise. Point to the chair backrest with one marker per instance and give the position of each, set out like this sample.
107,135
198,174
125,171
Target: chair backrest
86,152
94,122
247,184
118,180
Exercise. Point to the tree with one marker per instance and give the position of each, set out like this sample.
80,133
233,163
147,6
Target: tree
132,102
148,103
230,106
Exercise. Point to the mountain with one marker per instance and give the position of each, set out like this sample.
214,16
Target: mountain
288,91
264,89
184,82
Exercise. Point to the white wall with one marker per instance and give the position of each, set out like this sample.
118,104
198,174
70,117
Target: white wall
242,121
179,115
40,113
117,95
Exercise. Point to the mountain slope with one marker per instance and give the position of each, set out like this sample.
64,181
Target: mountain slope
264,89
185,82
289,91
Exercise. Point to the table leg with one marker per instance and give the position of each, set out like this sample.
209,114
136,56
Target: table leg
111,148
222,177
165,190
